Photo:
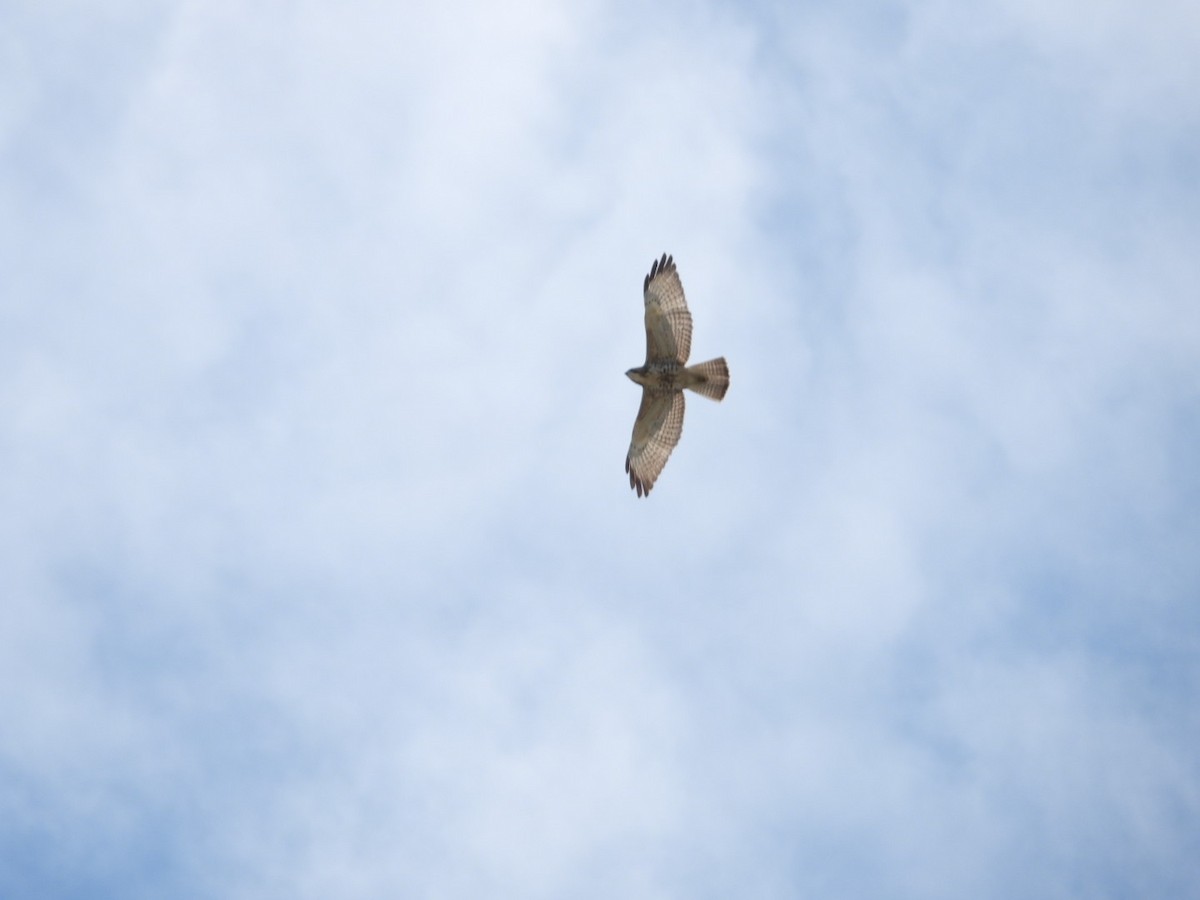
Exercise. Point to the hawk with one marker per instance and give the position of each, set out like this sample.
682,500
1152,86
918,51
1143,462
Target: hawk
659,420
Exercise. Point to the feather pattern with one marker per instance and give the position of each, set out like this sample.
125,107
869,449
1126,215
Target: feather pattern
668,322
711,379
656,431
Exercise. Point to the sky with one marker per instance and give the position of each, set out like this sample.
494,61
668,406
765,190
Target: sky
320,575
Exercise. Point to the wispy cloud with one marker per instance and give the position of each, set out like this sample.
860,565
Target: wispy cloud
319,571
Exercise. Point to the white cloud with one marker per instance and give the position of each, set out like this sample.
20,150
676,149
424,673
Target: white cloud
322,576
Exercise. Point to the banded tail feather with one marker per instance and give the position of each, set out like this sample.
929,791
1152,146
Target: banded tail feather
710,379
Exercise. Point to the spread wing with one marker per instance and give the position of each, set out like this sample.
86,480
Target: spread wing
668,322
656,431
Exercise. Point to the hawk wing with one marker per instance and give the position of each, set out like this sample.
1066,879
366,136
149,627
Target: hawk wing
668,322
656,431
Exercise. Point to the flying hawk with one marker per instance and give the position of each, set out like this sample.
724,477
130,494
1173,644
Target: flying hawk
659,420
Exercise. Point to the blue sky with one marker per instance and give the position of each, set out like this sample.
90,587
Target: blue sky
320,573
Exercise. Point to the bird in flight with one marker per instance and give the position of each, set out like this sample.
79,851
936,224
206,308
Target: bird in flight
659,421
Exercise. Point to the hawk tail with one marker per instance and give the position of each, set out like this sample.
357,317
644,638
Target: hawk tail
711,379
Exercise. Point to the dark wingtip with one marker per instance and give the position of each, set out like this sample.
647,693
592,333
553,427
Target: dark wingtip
664,264
636,483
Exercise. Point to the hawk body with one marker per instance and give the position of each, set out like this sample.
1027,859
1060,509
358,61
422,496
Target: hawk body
665,375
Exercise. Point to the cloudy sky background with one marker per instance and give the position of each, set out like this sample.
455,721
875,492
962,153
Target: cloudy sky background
319,572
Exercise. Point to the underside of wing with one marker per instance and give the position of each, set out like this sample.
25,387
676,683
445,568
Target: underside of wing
668,322
656,431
